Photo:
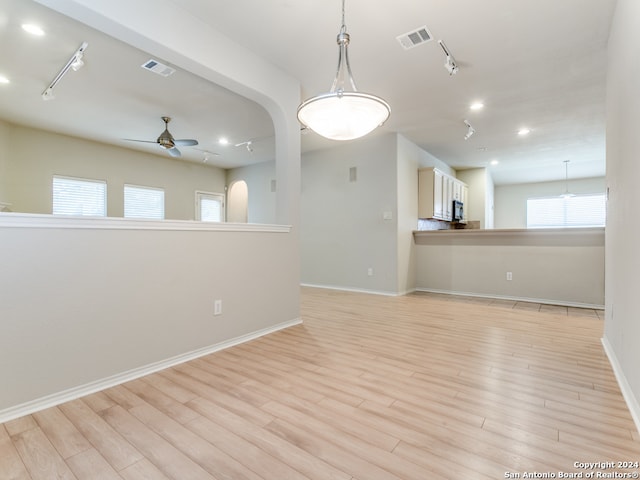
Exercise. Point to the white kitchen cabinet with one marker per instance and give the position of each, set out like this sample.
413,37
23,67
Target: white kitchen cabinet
430,203
447,197
457,190
436,192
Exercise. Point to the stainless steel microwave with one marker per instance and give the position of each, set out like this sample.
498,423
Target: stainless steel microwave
458,211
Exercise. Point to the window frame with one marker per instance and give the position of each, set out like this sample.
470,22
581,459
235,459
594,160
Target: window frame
221,197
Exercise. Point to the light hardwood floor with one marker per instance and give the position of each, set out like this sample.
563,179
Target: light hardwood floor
369,387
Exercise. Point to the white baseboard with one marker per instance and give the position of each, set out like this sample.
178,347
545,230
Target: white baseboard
453,292
92,387
627,392
515,299
358,290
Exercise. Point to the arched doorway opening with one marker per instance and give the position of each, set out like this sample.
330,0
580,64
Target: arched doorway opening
237,202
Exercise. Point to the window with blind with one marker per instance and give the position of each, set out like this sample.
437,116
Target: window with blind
569,211
143,202
209,207
79,196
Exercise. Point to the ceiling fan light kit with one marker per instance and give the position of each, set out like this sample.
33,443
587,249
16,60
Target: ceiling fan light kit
343,113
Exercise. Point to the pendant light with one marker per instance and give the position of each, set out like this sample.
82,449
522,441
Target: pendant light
343,113
566,193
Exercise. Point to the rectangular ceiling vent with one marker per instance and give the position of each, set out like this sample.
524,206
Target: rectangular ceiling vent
414,38
157,67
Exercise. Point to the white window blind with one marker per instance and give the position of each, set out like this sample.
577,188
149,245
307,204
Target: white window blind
79,196
209,207
561,212
143,202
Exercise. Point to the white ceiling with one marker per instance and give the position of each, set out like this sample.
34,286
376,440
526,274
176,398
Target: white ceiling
534,63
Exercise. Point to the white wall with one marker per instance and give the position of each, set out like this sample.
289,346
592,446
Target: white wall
511,200
35,156
343,232
262,201
622,328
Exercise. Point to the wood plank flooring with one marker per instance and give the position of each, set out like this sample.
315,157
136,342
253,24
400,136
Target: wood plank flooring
417,387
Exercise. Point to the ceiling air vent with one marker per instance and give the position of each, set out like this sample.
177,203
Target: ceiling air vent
414,38
157,67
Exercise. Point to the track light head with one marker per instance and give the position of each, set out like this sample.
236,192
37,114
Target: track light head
470,130
48,94
77,63
451,66
450,62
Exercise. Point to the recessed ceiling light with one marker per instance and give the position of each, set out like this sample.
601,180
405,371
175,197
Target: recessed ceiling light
494,162
523,131
223,141
33,29
476,106
4,79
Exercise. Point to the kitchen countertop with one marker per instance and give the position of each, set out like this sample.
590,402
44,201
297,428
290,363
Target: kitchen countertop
593,236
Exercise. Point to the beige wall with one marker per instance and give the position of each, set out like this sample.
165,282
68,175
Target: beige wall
409,160
127,298
262,201
34,156
549,269
343,232
4,160
622,314
480,198
82,305
511,200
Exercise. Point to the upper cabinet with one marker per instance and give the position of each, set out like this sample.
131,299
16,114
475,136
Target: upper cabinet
436,193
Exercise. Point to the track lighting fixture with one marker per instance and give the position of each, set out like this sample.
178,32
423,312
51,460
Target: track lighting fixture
470,130
248,145
75,63
207,155
450,62
343,113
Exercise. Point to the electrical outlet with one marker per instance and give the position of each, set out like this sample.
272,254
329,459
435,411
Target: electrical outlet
217,307
509,276
370,272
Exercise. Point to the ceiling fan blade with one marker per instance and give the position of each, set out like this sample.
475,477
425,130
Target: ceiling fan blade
186,142
142,141
174,152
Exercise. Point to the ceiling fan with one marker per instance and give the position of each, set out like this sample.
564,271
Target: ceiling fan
166,140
